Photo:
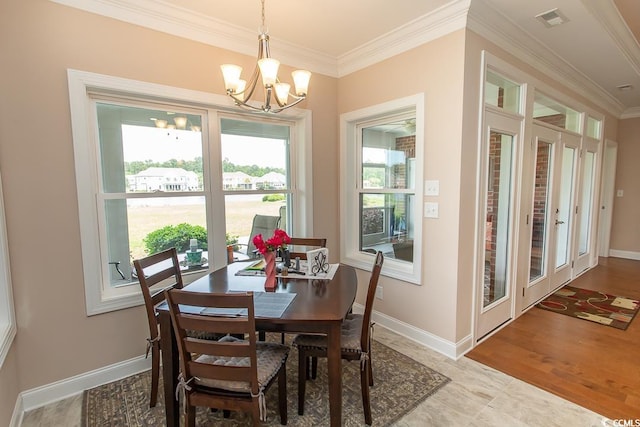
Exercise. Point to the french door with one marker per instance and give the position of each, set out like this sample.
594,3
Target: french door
495,302
586,230
553,211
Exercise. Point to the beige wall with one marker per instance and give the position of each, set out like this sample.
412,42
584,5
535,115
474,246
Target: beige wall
437,70
9,386
40,40
625,230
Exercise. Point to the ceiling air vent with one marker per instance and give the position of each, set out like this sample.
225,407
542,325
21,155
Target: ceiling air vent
552,18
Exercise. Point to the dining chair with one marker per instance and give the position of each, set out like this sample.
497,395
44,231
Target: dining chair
157,273
306,243
231,373
355,345
261,224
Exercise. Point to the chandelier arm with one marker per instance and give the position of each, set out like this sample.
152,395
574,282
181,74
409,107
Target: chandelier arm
297,101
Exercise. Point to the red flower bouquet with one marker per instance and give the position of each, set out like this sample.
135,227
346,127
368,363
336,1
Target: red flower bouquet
279,240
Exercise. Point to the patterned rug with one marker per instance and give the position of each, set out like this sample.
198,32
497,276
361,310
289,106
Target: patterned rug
400,384
597,307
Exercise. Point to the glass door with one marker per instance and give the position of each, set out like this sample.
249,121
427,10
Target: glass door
496,296
540,217
564,208
552,214
587,207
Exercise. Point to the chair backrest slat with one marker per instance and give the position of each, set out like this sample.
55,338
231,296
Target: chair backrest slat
368,307
308,243
220,372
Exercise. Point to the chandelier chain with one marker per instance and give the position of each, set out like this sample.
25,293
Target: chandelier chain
263,28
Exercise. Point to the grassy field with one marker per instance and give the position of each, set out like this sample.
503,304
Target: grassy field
239,215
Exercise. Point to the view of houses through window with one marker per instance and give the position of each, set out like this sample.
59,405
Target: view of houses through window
154,194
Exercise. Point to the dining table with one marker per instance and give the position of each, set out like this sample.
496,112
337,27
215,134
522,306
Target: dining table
319,306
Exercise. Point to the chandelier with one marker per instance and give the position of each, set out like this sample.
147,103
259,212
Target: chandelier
274,90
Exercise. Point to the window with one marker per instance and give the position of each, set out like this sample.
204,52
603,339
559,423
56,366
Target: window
594,127
156,168
256,175
7,314
383,148
554,113
501,93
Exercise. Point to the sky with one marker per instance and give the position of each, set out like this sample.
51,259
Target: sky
148,143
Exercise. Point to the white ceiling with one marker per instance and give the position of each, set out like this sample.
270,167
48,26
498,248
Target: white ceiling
593,53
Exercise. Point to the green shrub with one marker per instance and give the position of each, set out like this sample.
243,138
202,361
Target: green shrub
177,236
273,197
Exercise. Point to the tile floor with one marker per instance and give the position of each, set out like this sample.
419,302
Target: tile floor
476,396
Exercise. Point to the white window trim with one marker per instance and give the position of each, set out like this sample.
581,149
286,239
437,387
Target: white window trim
8,326
349,221
81,84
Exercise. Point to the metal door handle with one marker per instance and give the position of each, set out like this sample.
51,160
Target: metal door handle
559,222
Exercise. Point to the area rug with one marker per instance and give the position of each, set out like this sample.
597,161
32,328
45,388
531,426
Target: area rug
597,307
400,384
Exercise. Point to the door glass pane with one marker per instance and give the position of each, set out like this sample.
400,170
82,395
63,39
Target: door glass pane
497,231
540,204
563,212
587,201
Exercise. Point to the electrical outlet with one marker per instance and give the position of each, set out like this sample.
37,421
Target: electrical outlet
431,210
379,292
431,188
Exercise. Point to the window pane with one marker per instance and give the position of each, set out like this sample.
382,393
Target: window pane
388,154
147,150
502,93
252,213
593,127
386,224
255,156
550,111
139,227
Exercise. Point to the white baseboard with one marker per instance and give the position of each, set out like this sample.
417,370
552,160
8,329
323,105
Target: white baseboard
434,342
624,254
40,396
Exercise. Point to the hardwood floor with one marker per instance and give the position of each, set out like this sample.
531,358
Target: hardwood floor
592,365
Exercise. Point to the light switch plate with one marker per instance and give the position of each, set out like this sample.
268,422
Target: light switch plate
430,210
431,188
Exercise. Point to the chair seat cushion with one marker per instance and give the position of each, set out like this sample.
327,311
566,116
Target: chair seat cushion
270,357
350,338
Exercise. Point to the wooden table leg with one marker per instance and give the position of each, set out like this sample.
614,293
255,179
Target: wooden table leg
335,374
169,349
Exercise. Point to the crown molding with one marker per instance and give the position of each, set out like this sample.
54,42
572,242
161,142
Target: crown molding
161,16
609,17
444,20
631,113
168,18
488,22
